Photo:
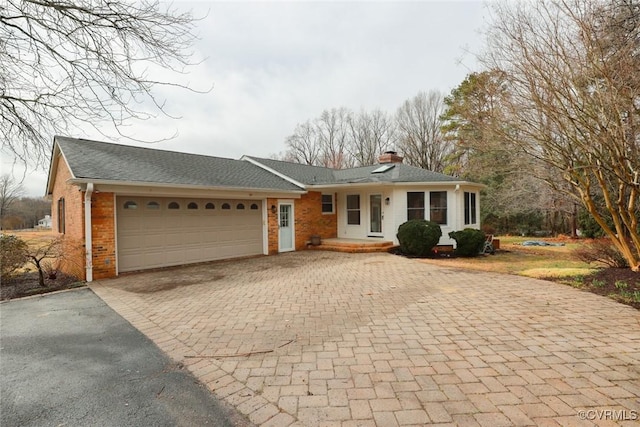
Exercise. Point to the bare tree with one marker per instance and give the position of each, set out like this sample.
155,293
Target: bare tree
322,141
46,256
63,62
303,145
10,191
574,101
332,127
419,136
370,134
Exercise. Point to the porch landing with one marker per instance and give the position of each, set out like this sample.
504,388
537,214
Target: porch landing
353,245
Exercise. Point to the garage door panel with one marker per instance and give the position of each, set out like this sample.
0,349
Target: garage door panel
149,238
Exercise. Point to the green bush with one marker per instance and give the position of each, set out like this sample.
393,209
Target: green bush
469,242
418,237
13,255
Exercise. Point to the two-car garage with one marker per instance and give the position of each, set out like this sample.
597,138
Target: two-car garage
161,232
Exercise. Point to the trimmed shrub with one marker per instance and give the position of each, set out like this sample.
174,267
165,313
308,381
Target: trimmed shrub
469,242
13,255
418,237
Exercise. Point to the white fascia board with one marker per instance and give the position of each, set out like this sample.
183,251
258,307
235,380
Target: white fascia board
159,189
393,184
273,171
56,155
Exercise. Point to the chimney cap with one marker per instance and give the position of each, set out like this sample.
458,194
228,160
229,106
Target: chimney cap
390,157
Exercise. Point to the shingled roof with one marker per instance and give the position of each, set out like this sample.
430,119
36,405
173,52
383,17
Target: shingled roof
95,161
317,175
102,161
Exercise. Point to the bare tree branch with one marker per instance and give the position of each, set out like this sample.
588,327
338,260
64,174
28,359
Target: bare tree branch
574,94
65,62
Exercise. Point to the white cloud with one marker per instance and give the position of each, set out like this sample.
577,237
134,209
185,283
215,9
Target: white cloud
276,64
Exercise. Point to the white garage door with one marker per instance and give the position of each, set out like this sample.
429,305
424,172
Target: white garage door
160,232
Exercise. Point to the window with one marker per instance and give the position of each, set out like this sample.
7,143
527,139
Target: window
240,206
327,203
209,206
61,216
438,207
469,208
254,207
174,205
130,205
154,206
192,205
226,206
353,209
415,205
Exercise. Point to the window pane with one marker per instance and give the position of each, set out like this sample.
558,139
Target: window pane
470,208
327,203
353,217
153,206
353,209
353,201
210,206
174,205
192,205
415,205
438,207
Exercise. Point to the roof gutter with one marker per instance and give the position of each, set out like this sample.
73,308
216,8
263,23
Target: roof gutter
88,241
393,184
181,186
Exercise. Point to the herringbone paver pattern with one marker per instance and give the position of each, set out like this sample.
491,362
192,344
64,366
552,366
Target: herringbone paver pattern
329,339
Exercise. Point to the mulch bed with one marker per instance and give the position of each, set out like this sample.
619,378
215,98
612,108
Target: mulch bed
618,283
26,284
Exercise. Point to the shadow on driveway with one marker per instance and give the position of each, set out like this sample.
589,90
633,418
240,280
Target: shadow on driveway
69,359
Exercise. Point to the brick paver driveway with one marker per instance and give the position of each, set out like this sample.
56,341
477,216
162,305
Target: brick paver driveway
318,338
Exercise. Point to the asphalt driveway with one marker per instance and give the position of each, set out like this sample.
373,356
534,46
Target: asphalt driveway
316,338
67,359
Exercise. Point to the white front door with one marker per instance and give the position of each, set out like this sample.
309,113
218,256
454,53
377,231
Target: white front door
375,215
285,227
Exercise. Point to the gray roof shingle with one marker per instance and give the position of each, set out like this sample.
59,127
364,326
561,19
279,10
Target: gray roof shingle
318,175
94,160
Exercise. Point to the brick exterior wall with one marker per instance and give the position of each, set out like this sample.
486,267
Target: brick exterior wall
103,235
73,262
102,227
309,219
272,227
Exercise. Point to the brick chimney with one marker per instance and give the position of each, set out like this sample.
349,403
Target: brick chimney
389,157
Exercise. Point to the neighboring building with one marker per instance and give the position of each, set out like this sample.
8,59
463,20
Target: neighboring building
138,208
45,222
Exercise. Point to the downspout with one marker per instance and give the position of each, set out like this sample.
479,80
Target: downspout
88,242
459,219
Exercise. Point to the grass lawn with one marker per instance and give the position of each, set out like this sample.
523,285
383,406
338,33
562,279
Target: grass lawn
557,263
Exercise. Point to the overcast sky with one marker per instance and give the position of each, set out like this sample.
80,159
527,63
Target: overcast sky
276,64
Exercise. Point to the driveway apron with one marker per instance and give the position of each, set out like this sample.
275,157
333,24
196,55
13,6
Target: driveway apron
67,359
327,339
